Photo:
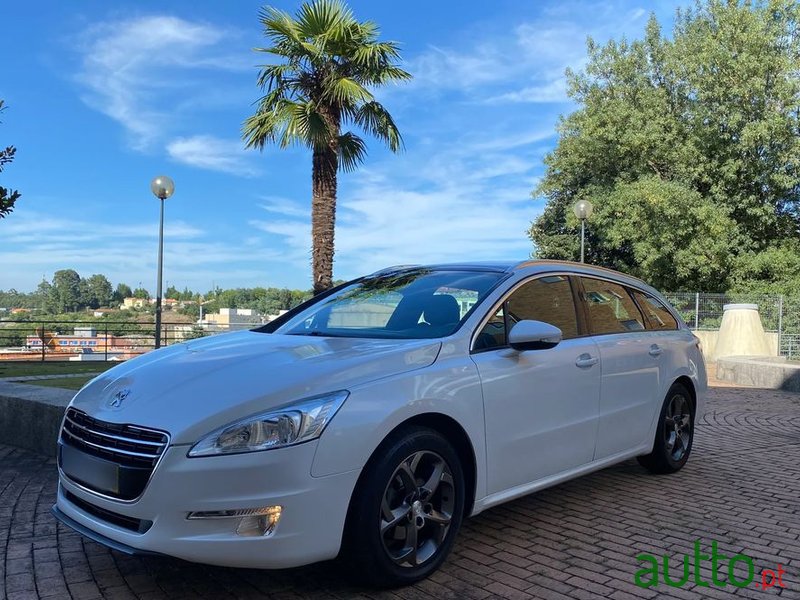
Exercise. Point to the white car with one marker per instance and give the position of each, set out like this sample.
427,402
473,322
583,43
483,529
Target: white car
369,421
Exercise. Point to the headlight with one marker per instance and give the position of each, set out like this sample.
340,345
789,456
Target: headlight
293,424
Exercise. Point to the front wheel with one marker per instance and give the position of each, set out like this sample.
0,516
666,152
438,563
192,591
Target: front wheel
674,433
406,510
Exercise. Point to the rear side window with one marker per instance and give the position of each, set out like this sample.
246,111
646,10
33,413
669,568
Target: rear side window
658,316
547,299
610,307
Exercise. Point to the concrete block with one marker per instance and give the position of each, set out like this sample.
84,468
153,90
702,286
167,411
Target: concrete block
30,415
760,371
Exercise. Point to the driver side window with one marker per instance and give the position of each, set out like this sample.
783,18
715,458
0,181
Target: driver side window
547,299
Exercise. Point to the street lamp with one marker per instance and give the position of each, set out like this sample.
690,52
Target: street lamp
582,210
162,187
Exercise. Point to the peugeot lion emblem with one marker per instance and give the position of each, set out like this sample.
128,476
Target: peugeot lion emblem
118,398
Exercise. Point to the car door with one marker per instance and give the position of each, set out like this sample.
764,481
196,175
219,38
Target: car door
630,382
667,342
541,406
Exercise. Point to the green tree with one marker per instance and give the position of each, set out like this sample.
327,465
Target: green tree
712,113
65,292
96,291
43,294
123,291
140,292
7,197
666,233
329,63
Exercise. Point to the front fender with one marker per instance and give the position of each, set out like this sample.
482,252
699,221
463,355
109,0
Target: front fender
449,387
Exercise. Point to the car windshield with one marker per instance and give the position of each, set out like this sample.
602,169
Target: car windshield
409,304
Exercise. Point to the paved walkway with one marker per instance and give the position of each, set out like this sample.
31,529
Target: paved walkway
741,488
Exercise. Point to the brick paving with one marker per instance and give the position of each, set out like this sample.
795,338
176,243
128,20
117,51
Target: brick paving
577,540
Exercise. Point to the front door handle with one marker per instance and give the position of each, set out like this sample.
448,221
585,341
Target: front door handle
586,360
655,350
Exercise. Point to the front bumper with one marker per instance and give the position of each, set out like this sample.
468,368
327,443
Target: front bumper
310,528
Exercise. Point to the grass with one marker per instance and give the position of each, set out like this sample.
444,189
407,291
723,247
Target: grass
22,368
67,383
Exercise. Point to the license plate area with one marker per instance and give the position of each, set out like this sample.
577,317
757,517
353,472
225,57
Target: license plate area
90,471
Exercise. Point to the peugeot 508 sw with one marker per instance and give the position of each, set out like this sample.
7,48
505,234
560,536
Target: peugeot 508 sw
369,421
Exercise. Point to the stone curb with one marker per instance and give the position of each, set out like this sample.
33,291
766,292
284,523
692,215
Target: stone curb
30,415
37,377
760,371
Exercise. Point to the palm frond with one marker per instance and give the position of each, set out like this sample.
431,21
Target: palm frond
278,25
305,126
324,18
376,54
346,91
273,76
329,62
373,118
352,151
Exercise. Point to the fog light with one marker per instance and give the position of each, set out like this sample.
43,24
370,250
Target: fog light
253,521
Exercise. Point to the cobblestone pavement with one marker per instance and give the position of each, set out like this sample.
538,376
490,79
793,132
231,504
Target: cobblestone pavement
577,540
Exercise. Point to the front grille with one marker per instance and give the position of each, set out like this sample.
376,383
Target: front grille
125,522
123,456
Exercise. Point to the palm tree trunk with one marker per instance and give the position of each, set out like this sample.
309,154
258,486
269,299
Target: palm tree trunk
323,216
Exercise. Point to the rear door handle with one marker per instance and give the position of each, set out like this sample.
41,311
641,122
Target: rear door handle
655,350
586,360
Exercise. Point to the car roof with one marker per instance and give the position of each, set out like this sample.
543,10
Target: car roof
530,267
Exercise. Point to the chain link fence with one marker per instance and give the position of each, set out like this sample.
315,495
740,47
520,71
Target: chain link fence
779,314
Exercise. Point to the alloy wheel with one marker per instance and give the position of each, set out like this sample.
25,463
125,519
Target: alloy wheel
417,508
678,427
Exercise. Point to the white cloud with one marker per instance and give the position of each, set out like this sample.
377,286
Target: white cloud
282,206
212,153
553,91
465,200
135,71
36,245
527,63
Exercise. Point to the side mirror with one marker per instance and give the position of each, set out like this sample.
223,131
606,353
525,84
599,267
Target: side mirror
534,335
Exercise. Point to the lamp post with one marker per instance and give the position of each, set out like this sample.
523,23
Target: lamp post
162,187
582,210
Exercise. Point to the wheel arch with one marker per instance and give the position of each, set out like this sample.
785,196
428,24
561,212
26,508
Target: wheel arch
687,382
454,433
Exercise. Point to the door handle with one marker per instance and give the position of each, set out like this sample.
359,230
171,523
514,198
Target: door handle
655,350
586,360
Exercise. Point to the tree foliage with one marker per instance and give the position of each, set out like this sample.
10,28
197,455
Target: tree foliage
96,291
329,61
689,148
7,196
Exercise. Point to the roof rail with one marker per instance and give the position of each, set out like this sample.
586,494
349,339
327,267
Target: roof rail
572,264
393,269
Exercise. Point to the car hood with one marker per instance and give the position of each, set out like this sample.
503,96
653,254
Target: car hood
192,388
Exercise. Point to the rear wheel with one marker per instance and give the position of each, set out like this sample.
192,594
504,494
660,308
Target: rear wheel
406,510
674,433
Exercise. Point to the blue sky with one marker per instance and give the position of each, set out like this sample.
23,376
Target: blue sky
104,96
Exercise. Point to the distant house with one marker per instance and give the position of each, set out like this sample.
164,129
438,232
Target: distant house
231,319
20,311
129,303
166,303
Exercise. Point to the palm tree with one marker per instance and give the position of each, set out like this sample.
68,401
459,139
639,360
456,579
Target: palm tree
330,60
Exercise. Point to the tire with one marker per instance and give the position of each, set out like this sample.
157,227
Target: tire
674,433
397,531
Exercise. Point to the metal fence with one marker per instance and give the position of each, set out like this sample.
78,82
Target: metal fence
94,341
779,314
119,340
704,311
